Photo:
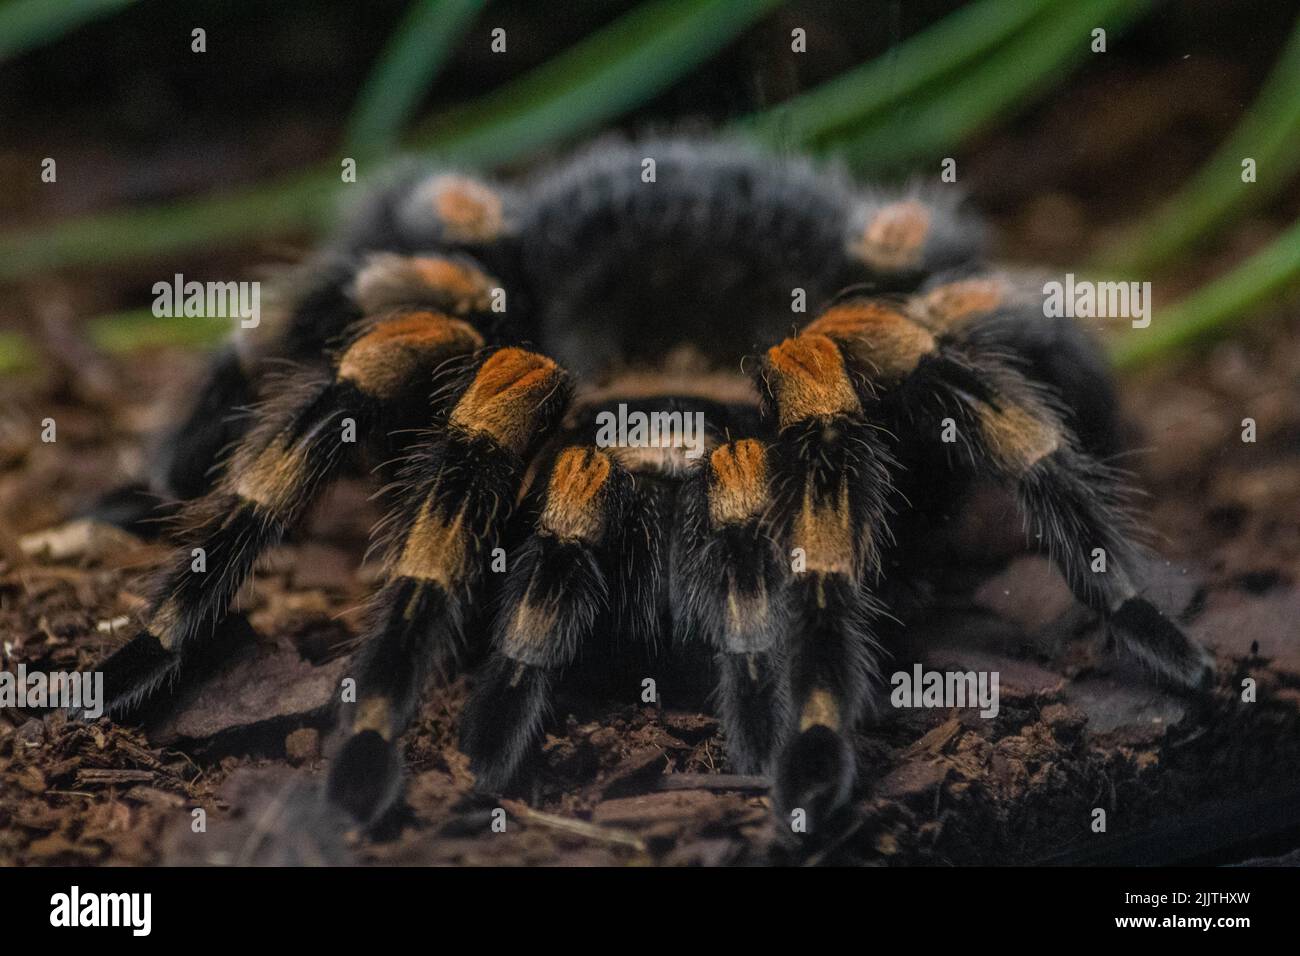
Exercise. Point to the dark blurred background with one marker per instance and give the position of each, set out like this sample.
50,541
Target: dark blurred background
133,116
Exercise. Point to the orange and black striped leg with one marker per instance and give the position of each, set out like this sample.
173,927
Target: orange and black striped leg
830,480
272,476
185,458
184,466
454,498
558,586
1003,314
304,432
1076,508
729,575
1008,428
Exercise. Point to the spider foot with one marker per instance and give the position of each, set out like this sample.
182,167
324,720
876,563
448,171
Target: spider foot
132,675
502,720
136,673
1161,645
365,777
749,685
135,508
814,780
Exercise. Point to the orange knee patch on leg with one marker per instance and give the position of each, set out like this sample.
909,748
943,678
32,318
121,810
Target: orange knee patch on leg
1017,439
527,629
738,484
824,531
955,303
270,477
468,210
465,286
746,622
506,396
895,236
164,623
389,281
374,713
575,506
808,376
877,335
820,710
403,351
435,549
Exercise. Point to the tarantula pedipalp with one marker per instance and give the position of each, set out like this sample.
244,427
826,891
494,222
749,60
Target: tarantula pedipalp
826,475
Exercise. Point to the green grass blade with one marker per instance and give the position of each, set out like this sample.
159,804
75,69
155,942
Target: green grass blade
299,202
949,112
124,333
420,46
599,78
862,92
1273,271
141,329
25,24
613,70
1269,134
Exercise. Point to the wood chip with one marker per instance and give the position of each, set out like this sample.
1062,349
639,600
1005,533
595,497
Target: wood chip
83,539
92,778
570,825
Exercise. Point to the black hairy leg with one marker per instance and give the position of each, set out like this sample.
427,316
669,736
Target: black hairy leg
424,240
953,390
559,587
1078,511
729,575
313,423
1002,315
453,498
221,535
830,481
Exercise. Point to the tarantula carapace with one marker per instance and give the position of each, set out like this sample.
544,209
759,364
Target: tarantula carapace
470,335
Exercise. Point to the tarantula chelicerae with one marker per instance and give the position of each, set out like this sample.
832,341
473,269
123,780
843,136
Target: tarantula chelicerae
470,334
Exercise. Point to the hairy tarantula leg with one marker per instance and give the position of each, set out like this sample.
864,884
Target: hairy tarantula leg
271,477
311,309
454,498
1003,314
729,575
187,454
452,283
830,478
316,303
213,424
1011,431
558,586
1078,508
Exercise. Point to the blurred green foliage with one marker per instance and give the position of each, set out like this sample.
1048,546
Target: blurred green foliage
29,23
956,77
1268,135
419,47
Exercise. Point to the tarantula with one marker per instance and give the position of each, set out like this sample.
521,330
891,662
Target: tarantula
470,334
